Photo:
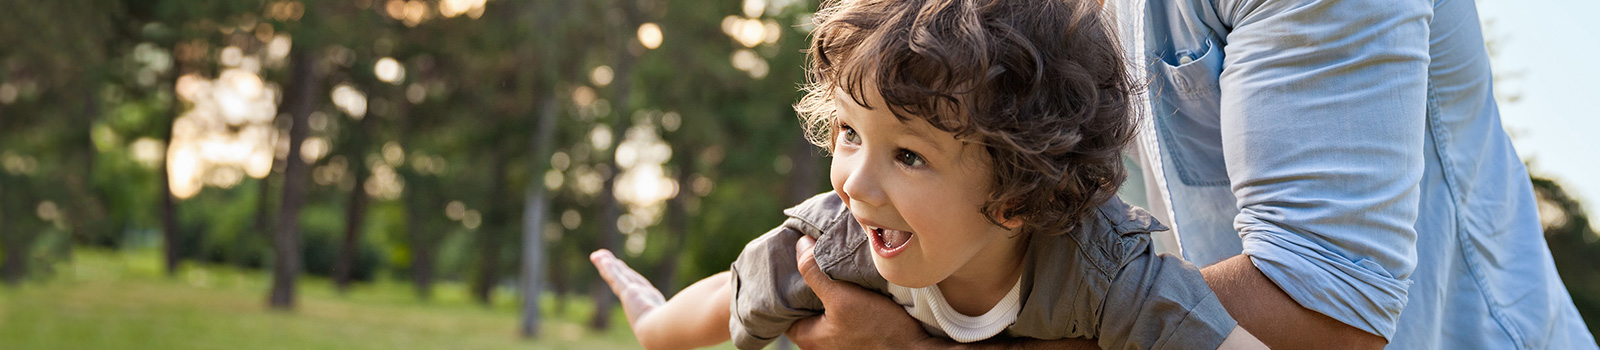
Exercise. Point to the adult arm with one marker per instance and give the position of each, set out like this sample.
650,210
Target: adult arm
1257,303
857,318
1323,107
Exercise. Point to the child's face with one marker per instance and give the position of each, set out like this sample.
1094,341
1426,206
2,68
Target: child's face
917,191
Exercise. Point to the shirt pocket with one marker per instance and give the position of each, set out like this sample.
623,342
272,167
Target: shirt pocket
1187,112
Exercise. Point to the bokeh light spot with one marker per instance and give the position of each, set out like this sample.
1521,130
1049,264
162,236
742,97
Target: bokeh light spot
601,76
389,70
650,35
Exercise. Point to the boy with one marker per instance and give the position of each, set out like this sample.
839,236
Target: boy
975,157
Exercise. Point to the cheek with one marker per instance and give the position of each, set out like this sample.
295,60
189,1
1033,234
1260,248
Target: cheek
961,226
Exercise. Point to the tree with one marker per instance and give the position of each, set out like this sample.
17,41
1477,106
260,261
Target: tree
1572,240
533,220
305,83
356,206
50,79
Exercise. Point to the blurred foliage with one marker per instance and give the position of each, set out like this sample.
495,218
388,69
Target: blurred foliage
1572,242
426,112
423,109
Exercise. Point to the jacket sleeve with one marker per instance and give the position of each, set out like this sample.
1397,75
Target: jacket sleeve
768,293
1161,302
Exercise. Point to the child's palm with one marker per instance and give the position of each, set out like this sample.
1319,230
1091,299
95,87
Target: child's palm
637,295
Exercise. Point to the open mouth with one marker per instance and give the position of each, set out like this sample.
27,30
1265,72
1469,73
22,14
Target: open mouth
888,243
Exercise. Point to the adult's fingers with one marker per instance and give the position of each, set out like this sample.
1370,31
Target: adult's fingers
819,282
802,249
806,330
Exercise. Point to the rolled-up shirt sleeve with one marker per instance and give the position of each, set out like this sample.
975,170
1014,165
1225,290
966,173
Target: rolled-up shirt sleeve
769,294
1323,108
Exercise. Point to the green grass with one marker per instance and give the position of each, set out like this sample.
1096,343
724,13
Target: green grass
121,300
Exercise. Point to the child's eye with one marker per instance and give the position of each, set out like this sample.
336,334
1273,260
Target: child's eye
849,135
911,159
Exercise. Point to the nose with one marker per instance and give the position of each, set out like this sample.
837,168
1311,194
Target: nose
863,183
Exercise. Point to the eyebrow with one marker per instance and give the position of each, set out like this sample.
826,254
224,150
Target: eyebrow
905,128
918,134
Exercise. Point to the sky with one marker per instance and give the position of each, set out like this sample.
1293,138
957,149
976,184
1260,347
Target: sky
1549,56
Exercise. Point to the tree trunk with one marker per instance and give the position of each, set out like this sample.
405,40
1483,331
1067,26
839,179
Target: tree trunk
263,222
169,206
537,273
666,276
533,218
88,220
355,217
12,240
286,242
356,209
422,248
418,202
169,216
561,286
489,237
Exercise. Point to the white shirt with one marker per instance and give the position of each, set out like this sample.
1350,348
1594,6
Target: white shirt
928,305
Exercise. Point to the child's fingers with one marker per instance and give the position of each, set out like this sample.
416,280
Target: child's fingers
614,270
629,274
611,269
598,257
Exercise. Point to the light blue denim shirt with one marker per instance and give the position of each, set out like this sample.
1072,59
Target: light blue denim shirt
1353,150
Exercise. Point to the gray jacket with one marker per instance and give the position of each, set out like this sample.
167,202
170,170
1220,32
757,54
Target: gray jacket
1102,282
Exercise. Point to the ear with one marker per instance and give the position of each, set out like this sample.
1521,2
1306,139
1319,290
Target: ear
1011,223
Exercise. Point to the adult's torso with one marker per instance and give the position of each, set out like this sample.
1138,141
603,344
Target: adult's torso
1483,277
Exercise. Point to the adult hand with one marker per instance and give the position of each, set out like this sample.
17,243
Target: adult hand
856,318
852,317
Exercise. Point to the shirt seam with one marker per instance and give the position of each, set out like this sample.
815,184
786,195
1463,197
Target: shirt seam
1447,172
1167,338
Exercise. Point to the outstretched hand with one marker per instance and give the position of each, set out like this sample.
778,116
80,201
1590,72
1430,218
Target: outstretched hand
700,320
637,295
852,317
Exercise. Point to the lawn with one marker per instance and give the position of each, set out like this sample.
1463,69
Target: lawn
121,300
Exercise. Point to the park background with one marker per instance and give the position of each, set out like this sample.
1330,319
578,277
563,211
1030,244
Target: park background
391,174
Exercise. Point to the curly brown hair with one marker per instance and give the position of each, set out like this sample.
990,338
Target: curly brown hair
1042,85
